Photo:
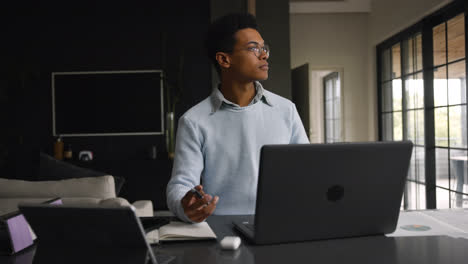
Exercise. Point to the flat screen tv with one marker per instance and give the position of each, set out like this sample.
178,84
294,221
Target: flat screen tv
107,103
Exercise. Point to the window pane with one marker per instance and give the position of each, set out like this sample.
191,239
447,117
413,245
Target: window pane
409,92
329,113
329,129
458,171
413,54
420,127
414,93
440,86
387,127
418,54
419,90
413,172
408,55
442,173
332,108
458,200
396,61
420,161
415,126
457,83
397,126
387,97
456,37
396,91
336,110
337,131
457,121
329,90
416,196
337,89
441,126
386,65
438,39
338,83
410,125
443,198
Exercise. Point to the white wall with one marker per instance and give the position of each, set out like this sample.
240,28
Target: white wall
337,41
349,41
386,19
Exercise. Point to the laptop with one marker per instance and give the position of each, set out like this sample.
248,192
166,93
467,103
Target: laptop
91,232
322,191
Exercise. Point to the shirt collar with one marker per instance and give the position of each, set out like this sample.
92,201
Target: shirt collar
217,98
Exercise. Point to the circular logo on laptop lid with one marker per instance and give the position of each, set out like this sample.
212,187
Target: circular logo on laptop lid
335,193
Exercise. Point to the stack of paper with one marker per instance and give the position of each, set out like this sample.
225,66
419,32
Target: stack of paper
453,223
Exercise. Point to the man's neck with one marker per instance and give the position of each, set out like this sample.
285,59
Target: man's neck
241,93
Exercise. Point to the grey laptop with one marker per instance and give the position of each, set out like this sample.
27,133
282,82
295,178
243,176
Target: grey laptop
322,191
89,234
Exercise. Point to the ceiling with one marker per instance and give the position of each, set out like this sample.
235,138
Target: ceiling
317,0
329,6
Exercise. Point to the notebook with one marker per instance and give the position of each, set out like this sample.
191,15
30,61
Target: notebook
322,191
181,231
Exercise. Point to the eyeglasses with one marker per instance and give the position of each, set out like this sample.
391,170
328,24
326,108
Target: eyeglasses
257,50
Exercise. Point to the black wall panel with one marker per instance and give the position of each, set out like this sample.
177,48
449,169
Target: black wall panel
45,38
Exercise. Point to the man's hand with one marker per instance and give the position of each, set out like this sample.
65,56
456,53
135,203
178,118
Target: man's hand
198,209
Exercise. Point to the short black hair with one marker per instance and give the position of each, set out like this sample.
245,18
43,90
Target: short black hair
221,34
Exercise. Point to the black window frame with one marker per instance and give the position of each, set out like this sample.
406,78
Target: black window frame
424,26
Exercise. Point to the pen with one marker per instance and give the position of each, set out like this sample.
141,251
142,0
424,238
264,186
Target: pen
199,195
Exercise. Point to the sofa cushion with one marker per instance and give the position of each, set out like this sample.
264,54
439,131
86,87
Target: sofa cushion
142,208
92,187
51,169
8,205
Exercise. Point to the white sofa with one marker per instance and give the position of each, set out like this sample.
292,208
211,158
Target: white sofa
87,191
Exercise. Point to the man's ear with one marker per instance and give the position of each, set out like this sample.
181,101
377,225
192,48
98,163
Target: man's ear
223,59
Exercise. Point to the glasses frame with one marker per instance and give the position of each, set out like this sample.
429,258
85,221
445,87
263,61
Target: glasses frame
259,50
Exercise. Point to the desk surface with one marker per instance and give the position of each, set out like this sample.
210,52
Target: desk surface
380,249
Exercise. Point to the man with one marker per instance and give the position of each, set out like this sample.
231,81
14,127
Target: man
219,140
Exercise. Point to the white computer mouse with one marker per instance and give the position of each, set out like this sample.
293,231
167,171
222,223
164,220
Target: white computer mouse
230,242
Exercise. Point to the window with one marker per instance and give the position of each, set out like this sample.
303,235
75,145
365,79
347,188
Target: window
422,98
449,84
332,107
403,108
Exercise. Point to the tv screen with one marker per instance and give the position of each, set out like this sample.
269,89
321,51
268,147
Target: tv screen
107,103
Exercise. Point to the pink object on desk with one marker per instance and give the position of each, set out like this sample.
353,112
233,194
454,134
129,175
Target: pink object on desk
19,233
18,230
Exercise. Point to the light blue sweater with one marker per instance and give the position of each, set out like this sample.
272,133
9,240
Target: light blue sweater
219,142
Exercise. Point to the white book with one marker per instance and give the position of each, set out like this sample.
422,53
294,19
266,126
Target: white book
181,231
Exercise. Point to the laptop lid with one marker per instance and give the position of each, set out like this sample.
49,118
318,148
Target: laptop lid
70,228
322,191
